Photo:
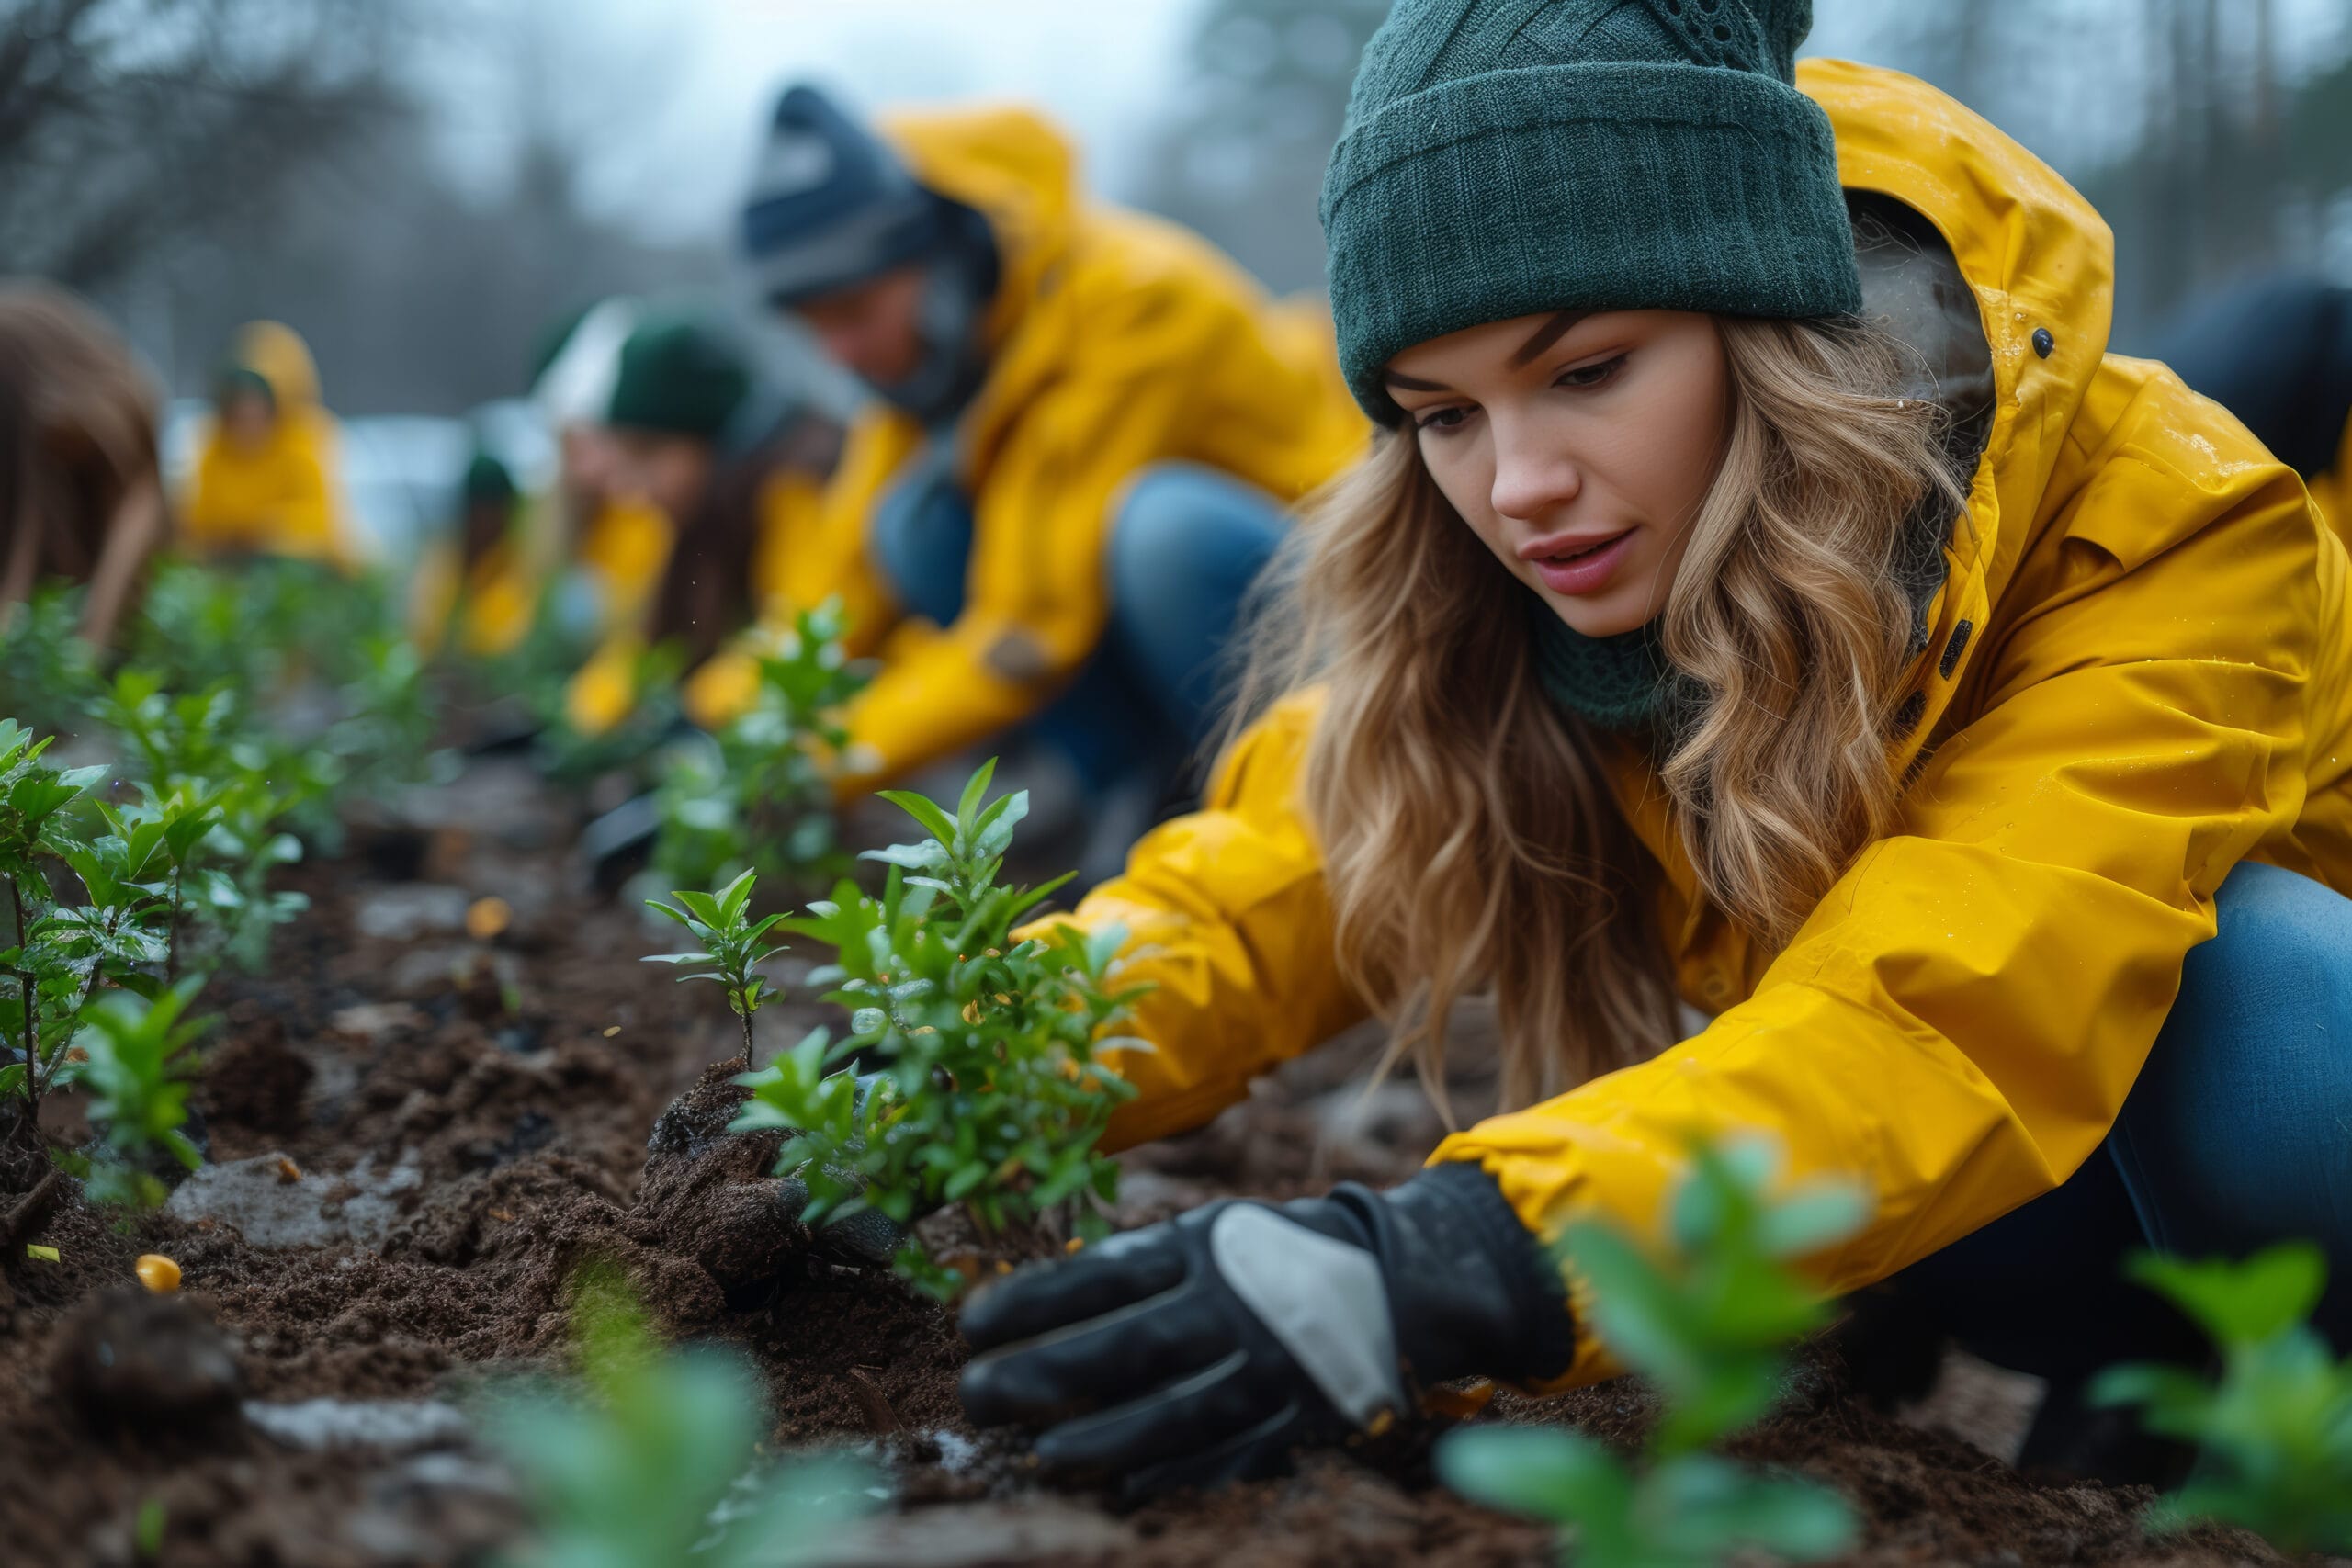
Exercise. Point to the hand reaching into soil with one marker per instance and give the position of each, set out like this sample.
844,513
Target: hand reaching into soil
1207,1348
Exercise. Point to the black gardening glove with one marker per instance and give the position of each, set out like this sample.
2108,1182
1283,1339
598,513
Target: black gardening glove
1206,1348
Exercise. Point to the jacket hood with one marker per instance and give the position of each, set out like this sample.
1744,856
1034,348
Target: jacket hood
1014,168
2041,262
277,354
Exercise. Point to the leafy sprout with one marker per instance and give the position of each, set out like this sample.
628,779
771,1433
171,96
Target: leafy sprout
758,793
2274,1430
652,1459
733,945
137,1076
1705,1321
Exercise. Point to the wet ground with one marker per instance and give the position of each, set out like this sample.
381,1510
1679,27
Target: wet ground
417,1137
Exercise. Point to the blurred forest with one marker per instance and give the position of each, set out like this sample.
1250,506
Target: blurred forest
2215,135
192,163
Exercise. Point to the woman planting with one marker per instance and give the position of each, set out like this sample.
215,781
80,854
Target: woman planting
1769,597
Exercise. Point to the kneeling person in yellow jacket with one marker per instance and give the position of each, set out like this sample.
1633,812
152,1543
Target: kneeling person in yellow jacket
698,436
1088,424
1769,599
2278,353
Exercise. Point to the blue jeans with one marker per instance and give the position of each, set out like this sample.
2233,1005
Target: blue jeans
1186,541
2237,1133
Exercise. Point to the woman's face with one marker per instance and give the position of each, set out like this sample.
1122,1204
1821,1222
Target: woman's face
1577,447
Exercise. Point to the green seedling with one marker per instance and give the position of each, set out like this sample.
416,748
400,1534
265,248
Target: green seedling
52,979
758,795
137,1078
2274,1430
733,946
47,670
989,1091
652,1460
1706,1322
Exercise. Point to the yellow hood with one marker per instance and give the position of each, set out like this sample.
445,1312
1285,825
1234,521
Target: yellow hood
1014,168
277,354
2039,258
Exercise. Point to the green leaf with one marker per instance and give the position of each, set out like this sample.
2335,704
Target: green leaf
933,820
2240,1303
1542,1472
975,790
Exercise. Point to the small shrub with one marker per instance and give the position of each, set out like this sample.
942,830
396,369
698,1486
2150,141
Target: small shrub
2274,1430
758,794
652,1460
986,1091
1706,1325
47,671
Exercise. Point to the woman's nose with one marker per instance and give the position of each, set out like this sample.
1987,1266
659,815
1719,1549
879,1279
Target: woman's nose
1534,477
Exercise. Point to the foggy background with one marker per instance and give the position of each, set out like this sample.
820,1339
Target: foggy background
421,186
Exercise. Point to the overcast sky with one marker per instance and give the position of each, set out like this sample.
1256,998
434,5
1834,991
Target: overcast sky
666,97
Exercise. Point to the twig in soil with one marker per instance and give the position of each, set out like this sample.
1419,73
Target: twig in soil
880,1420
30,1210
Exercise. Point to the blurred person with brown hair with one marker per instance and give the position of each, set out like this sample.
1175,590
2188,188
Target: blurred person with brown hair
81,498
2276,352
266,478
1086,425
698,438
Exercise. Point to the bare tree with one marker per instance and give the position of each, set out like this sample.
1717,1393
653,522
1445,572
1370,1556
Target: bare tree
1266,94
127,126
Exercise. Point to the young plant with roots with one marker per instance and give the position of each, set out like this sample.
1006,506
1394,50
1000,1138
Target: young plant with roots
985,1085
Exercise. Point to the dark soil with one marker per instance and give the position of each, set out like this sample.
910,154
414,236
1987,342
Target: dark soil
518,1084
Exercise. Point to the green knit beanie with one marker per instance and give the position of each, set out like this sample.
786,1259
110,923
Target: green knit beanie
679,376
1507,157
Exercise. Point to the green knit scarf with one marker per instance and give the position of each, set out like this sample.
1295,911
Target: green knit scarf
1618,683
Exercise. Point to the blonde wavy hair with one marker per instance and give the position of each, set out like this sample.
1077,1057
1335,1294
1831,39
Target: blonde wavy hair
1471,841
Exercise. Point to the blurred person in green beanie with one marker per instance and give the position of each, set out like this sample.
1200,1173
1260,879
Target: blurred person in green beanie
699,435
1820,694
474,589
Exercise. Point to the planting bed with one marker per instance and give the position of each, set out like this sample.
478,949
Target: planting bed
416,1137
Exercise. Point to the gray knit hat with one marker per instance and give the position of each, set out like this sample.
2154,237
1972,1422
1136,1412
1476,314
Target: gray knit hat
1506,157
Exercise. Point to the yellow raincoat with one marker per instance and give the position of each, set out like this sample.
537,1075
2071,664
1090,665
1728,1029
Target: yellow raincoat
493,604
281,498
1118,341
627,548
2331,488
2137,677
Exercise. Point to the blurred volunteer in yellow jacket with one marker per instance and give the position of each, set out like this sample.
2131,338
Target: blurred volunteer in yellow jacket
267,479
1769,599
613,548
1087,423
697,435
475,590
2276,352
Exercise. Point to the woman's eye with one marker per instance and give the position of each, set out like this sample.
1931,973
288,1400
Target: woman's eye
1591,375
1445,419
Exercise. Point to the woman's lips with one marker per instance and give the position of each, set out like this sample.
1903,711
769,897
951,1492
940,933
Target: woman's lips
1587,571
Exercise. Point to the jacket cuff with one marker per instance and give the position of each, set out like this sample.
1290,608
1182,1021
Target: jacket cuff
1539,1289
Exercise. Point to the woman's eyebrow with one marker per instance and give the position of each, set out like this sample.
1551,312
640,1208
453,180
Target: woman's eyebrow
1546,335
1409,383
